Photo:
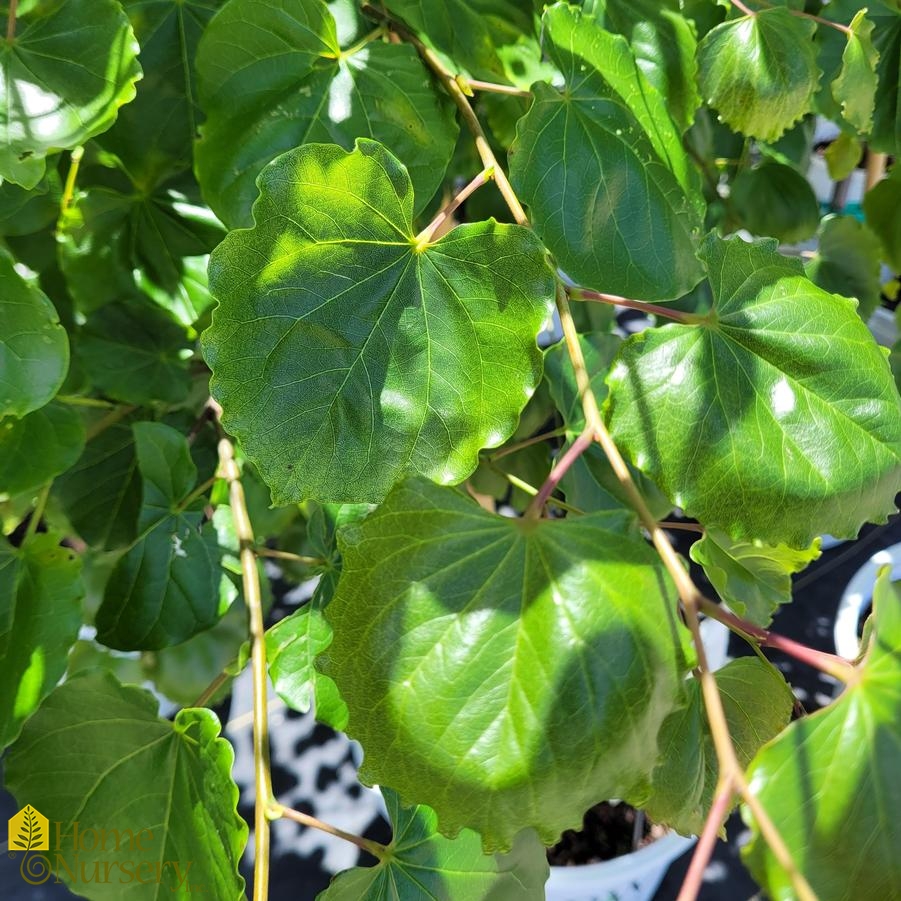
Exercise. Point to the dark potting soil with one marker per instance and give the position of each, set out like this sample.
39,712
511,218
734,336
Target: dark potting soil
608,831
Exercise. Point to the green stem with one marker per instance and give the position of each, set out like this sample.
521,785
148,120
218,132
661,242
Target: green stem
528,442
254,599
76,401
211,689
367,39
37,514
468,85
653,308
287,555
71,177
110,419
199,491
376,849
11,20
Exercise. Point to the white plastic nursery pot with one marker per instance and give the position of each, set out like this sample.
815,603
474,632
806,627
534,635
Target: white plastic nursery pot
857,597
632,877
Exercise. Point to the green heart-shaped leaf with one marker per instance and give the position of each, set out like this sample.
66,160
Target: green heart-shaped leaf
273,77
830,781
774,417
760,71
40,614
510,671
34,347
70,66
345,354
600,166
421,863
135,771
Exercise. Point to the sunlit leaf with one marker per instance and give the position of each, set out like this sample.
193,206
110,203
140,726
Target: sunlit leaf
273,77
411,358
759,72
70,66
830,781
774,417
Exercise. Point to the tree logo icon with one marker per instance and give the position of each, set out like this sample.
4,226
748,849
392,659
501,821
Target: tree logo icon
29,831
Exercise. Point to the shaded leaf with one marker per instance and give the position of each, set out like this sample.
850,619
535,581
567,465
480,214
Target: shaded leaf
830,781
753,578
664,45
412,358
474,35
487,662
775,199
135,771
101,493
847,262
842,156
633,232
134,352
775,417
881,205
422,863
40,614
122,237
38,447
154,134
70,67
165,588
758,706
274,73
34,348
760,71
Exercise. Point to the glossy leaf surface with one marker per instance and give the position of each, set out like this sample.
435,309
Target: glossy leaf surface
424,864
71,65
759,72
344,355
664,45
135,772
774,417
600,166
275,74
830,781
443,617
